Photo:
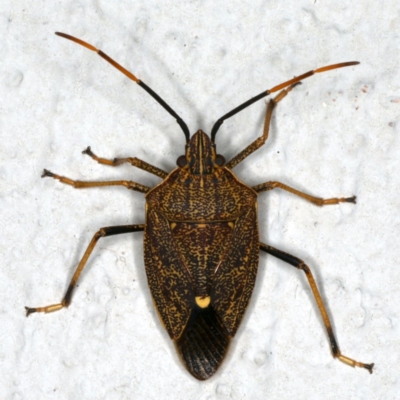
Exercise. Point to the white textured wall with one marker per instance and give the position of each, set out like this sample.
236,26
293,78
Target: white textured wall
337,134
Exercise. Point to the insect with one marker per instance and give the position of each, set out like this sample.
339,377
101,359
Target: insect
201,241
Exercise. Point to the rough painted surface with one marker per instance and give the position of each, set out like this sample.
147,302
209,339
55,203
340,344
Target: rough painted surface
337,134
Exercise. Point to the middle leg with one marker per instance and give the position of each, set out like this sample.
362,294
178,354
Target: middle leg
263,187
81,184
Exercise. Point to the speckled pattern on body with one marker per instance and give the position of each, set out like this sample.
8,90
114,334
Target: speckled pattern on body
201,241
338,134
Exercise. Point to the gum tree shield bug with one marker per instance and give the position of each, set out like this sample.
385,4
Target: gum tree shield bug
201,242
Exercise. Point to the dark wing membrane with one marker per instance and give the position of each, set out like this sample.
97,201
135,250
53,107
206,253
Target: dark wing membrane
204,343
169,280
235,277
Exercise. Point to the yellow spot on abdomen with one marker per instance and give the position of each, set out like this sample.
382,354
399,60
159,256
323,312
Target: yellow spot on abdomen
203,302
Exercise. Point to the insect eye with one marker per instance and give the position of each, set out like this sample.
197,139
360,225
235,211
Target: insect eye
220,160
181,161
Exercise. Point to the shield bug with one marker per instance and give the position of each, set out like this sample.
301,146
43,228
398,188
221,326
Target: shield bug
201,242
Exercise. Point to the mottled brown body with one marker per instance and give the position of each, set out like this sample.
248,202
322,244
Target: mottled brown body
201,240
201,244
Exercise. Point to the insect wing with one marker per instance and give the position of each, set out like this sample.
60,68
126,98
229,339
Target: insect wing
234,279
169,280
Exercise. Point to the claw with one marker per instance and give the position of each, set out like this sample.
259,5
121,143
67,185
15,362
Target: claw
370,367
351,200
29,311
47,173
87,151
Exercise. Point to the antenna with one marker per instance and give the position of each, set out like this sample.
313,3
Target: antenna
247,103
153,94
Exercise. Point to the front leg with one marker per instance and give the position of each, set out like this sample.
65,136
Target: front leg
263,187
299,264
136,162
251,148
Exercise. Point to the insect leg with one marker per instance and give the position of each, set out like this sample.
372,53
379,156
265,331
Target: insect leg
79,184
263,138
263,187
103,232
296,262
136,162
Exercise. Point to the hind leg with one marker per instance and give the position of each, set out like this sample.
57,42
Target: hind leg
103,232
296,262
